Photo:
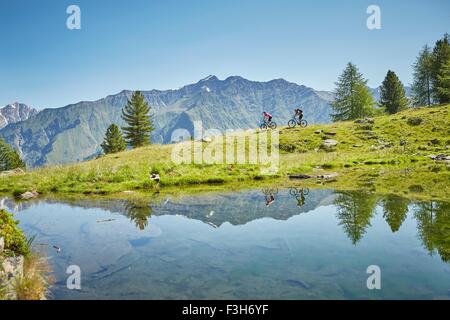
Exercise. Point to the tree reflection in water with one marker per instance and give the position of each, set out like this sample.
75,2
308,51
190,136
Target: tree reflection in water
356,208
395,210
354,211
138,211
433,223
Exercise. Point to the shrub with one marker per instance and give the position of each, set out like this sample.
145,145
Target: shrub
15,240
435,141
36,279
414,121
215,180
10,158
367,127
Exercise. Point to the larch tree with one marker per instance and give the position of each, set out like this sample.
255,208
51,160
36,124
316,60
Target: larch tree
440,70
352,97
422,75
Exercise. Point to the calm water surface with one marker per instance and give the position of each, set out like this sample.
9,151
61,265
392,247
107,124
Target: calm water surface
258,244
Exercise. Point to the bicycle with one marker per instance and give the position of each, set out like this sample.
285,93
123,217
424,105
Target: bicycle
293,191
269,191
265,124
294,122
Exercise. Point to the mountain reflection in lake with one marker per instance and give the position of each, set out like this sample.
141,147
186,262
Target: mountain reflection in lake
261,244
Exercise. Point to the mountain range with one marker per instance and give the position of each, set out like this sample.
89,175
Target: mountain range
74,132
15,112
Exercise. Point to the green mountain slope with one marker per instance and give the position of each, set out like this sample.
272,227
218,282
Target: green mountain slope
74,133
388,154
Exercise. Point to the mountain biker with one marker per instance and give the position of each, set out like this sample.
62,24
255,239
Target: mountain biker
270,199
299,114
301,199
268,116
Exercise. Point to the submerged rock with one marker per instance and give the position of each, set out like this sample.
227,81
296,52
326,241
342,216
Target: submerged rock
299,283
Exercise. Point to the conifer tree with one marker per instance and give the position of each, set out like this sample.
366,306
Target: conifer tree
440,70
393,97
352,97
9,158
139,121
113,141
421,87
443,83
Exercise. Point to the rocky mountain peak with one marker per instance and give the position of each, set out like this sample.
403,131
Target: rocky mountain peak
15,112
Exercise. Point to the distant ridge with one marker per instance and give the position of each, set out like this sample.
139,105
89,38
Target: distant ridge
74,133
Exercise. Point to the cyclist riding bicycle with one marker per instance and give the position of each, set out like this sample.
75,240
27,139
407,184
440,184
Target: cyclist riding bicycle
299,114
267,116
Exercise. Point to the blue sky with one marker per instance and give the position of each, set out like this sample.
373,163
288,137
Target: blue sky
156,44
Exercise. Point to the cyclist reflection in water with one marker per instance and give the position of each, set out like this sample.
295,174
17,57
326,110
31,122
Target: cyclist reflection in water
299,194
300,199
269,199
269,195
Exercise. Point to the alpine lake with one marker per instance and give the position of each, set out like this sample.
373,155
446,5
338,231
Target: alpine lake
265,243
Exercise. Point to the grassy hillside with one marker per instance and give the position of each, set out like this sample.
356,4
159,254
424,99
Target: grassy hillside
389,154
75,132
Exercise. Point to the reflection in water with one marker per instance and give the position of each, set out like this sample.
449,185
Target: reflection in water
433,222
395,210
269,194
253,251
354,211
139,212
299,194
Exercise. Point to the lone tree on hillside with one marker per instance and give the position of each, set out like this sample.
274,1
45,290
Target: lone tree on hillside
140,124
393,97
352,97
421,87
9,158
440,70
113,141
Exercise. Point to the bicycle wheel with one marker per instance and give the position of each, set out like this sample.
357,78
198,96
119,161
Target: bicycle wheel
303,123
292,123
293,191
305,191
263,126
273,125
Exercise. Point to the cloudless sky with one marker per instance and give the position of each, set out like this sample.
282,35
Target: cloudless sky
164,44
